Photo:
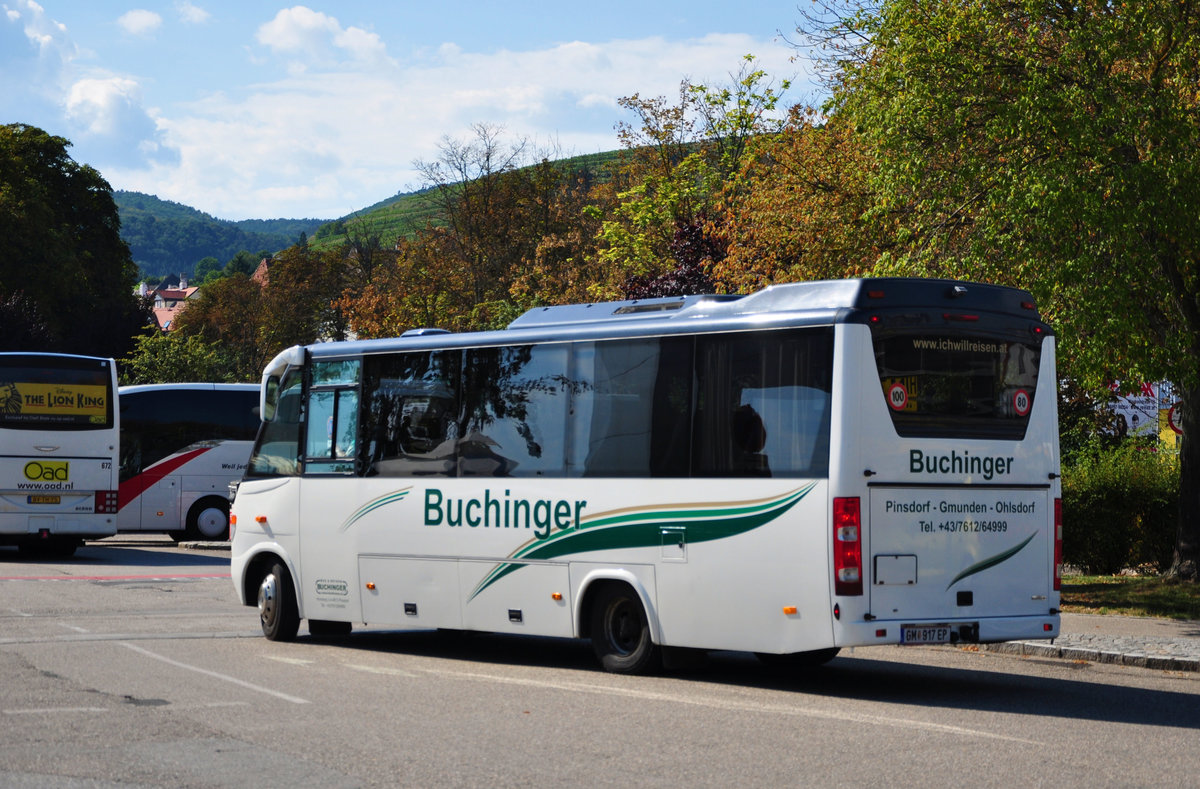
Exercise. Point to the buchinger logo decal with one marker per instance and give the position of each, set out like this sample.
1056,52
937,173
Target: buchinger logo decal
954,463
333,587
641,527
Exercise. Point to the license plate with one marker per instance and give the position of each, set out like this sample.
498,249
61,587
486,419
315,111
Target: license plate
44,499
925,634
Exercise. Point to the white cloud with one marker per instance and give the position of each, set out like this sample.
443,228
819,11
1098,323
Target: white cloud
345,135
36,56
191,14
97,105
31,39
110,122
139,22
318,37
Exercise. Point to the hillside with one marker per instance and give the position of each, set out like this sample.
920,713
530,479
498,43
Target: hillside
170,238
404,213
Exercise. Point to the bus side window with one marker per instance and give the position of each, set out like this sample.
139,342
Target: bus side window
630,401
763,404
515,404
410,404
331,423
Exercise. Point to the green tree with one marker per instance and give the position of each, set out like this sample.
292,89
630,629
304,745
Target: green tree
299,302
680,158
225,313
61,248
1054,145
206,268
244,262
175,357
506,235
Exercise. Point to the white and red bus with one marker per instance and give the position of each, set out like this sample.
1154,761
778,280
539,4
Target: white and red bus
181,446
58,450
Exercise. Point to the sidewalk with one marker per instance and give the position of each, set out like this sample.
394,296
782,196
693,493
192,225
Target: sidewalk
1164,644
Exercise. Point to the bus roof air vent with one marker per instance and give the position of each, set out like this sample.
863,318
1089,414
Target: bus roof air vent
424,332
644,309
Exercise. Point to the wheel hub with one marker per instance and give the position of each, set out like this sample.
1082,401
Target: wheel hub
268,598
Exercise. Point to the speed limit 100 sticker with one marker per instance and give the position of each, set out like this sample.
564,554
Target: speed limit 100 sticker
1022,402
897,396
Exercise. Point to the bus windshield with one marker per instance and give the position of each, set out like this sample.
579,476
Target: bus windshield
48,392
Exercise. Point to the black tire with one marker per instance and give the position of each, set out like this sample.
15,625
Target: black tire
798,660
277,604
208,520
325,628
621,632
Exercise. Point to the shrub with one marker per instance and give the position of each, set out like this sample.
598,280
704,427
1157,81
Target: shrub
1120,508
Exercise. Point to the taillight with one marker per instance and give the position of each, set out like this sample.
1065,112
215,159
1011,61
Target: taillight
847,547
105,502
1057,545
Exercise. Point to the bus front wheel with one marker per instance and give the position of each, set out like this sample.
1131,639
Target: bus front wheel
277,604
621,632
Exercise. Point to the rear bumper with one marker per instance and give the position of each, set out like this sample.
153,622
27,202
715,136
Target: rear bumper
965,630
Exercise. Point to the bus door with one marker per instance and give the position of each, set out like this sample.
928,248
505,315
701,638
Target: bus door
160,500
331,493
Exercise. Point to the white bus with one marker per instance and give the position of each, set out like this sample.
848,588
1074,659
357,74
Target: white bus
813,466
58,451
181,447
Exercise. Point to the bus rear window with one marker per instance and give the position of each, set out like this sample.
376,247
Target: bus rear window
961,385
55,393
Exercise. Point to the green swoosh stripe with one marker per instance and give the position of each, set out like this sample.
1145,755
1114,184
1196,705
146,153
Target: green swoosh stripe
979,567
643,529
374,504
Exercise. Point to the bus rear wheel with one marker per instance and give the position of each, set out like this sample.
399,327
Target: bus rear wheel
277,609
620,632
208,519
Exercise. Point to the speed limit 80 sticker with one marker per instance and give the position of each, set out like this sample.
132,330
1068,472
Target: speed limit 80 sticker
1022,402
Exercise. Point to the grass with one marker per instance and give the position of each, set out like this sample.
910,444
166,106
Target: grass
1140,595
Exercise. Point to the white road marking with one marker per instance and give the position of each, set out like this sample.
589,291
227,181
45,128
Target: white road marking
737,706
391,672
51,710
216,675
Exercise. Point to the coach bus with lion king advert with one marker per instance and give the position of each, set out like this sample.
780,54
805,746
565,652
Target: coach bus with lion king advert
59,429
809,467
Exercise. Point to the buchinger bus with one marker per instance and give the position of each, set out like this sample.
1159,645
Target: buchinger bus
181,447
58,450
813,466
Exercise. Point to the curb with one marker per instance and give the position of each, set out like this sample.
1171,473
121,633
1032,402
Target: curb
1135,659
203,546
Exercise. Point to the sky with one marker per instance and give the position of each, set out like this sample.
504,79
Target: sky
259,110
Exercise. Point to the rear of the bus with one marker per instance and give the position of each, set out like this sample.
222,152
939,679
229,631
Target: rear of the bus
946,510
59,434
